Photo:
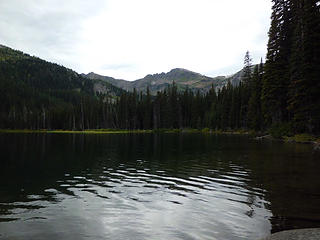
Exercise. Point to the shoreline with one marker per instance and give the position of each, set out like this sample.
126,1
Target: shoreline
124,131
91,131
299,138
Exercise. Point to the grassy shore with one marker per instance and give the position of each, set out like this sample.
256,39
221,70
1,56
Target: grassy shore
91,131
121,131
302,138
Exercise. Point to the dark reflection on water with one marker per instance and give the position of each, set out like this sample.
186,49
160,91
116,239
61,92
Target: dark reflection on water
154,187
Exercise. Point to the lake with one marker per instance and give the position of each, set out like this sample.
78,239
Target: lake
149,186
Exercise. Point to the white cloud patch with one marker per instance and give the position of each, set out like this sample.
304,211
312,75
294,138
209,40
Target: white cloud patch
129,39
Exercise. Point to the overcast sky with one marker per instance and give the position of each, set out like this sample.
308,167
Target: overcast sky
131,38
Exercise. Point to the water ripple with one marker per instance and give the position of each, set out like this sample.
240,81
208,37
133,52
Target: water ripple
202,191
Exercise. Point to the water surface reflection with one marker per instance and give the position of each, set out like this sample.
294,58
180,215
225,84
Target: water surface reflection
153,187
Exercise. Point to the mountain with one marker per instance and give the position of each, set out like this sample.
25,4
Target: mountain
40,74
183,78
35,93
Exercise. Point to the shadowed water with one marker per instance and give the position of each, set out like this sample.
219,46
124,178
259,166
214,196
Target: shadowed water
170,186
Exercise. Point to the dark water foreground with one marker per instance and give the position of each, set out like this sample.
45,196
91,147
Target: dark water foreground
169,186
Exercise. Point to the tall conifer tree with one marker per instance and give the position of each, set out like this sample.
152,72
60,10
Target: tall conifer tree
304,89
276,79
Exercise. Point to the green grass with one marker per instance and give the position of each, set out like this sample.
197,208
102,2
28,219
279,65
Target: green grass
302,138
21,131
121,131
231,132
92,131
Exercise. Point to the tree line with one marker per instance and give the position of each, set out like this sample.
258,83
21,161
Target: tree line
34,106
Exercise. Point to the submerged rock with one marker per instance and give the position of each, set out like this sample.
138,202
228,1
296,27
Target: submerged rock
264,137
316,146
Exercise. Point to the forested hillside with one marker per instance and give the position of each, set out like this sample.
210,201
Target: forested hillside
37,94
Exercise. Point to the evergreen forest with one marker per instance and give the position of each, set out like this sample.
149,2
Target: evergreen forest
283,93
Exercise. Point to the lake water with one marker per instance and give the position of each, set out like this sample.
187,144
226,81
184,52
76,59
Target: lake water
145,186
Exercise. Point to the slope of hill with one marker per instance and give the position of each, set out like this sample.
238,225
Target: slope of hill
182,77
35,92
40,74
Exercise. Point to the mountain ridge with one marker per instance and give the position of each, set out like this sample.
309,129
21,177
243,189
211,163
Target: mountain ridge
16,59
183,78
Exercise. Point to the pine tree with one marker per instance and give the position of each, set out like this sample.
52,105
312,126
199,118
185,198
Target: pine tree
276,77
245,87
246,77
254,105
304,93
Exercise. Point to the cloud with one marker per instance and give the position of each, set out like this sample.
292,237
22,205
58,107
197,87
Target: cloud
48,29
129,39
117,66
